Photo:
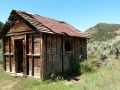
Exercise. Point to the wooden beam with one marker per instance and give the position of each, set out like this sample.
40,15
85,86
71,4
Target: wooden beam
41,57
25,54
32,46
9,55
20,33
3,50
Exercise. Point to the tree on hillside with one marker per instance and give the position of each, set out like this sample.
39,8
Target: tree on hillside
1,25
103,32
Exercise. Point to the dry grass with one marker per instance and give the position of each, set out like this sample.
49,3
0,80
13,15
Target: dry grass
106,78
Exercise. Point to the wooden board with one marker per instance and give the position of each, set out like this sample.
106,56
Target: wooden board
7,63
19,26
37,67
13,64
36,42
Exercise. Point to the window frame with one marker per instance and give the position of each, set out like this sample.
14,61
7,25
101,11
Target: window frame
69,40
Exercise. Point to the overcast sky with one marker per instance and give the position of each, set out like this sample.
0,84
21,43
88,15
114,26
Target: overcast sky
82,14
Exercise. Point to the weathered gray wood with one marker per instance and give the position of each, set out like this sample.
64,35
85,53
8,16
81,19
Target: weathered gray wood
53,48
44,50
25,54
59,54
41,57
32,56
9,55
49,55
3,50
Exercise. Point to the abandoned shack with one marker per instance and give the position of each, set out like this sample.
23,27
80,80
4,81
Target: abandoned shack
37,46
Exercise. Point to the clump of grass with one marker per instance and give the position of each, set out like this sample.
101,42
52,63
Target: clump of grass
55,78
86,66
1,61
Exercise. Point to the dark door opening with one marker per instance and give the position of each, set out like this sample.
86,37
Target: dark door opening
19,55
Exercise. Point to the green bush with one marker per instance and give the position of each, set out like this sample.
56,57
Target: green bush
1,61
74,65
86,66
55,78
0,44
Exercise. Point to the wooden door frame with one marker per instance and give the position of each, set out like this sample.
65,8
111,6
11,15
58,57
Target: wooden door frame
15,58
22,37
64,51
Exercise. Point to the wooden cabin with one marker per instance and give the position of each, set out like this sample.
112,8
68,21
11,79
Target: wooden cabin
37,46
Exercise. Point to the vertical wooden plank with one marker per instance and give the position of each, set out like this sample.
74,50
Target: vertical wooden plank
41,57
76,49
37,64
79,49
7,63
13,64
14,54
53,46
49,56
44,45
62,52
11,44
9,54
59,54
30,52
25,55
84,48
81,43
3,50
32,55
30,65
36,43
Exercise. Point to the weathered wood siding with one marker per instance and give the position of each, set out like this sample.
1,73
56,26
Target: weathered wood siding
52,53
43,53
6,54
19,26
66,54
56,59
33,54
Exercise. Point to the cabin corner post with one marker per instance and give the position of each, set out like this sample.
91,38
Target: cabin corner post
3,50
44,53
84,49
41,57
25,56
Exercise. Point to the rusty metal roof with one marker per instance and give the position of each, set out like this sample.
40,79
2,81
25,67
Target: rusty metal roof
58,27
48,25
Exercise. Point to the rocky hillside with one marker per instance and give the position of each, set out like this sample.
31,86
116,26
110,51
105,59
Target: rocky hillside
103,32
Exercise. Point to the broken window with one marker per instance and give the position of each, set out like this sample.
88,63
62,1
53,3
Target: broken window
68,45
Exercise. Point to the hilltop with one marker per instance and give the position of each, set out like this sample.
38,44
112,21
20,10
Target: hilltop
103,32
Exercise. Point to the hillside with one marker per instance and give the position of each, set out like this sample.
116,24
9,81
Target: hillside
103,32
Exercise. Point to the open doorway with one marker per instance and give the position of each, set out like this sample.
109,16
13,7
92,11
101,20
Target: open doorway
19,55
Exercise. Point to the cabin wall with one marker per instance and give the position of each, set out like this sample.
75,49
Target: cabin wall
52,54
31,54
34,54
76,45
55,53
9,62
44,54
